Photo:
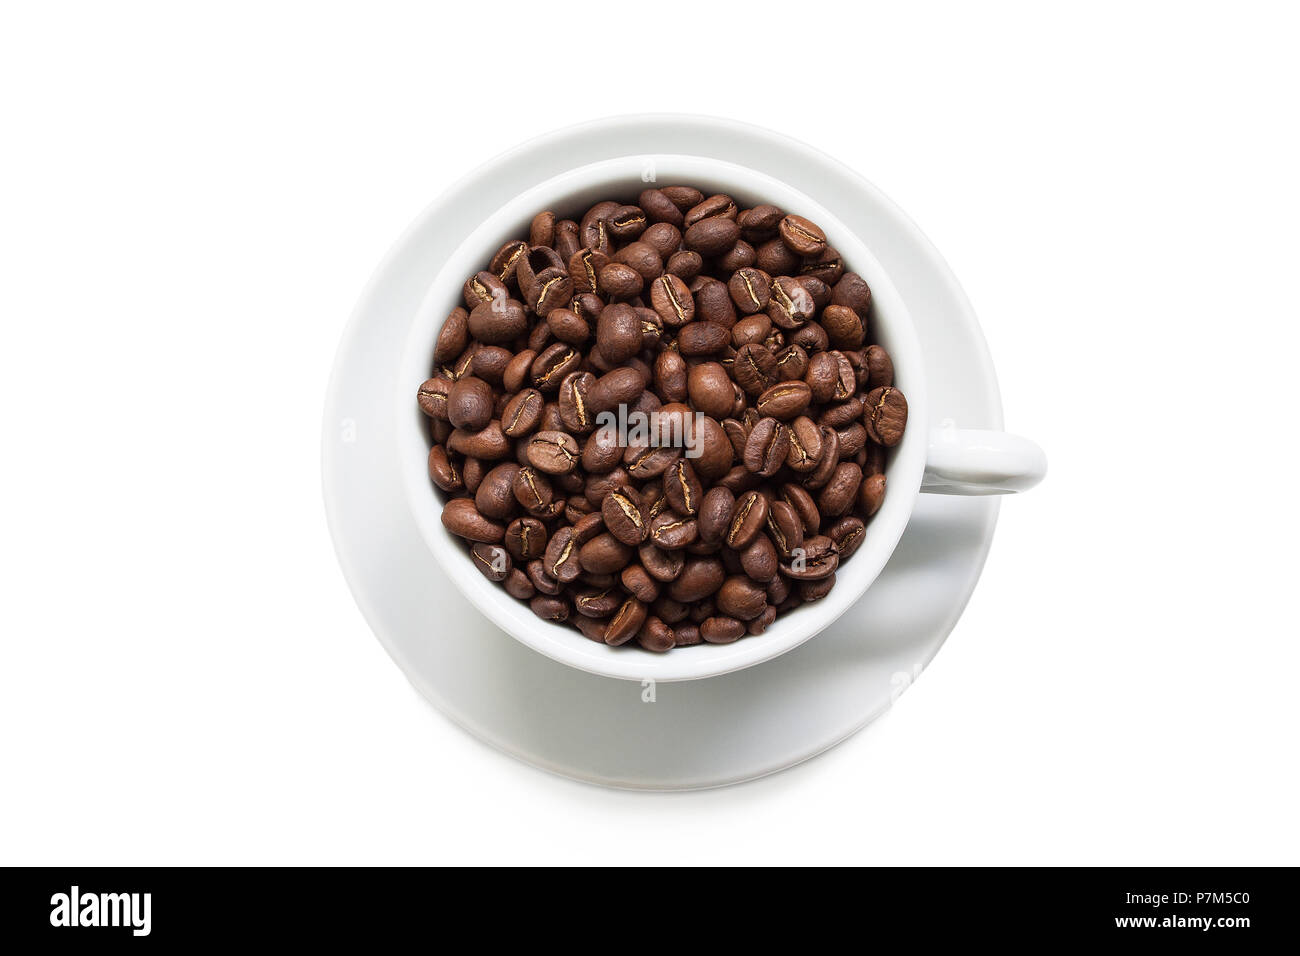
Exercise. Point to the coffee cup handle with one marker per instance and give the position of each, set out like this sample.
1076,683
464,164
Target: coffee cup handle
967,461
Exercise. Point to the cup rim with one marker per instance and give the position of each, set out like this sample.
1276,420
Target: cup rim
893,328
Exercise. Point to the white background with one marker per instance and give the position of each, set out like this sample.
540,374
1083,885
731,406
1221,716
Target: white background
192,199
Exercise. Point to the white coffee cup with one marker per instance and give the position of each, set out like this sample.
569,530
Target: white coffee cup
936,460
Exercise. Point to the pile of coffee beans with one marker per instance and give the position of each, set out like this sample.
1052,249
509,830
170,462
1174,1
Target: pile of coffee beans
740,336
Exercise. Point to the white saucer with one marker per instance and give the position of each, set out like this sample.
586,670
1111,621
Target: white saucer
703,733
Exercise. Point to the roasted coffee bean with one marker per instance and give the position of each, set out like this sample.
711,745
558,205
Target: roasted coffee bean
433,397
802,502
885,415
584,269
522,413
598,486
553,364
550,608
880,368
713,302
754,369
671,532
759,559
784,528
714,454
670,376
702,610
659,208
719,205
699,578
843,326
711,236
495,496
830,458
516,372
785,400
816,590
742,598
489,364
815,560
567,326
483,288
489,443
618,281
473,474
838,416
643,258
533,491
597,602
722,630
739,256
709,388
672,300
561,560
535,267
624,517
840,491
827,267
492,561
778,589
751,330
574,413
852,291
622,386
588,526
664,239
462,518
605,554
871,494
656,636
443,471
747,519
591,628
803,236
750,289
686,634
553,452
498,321
661,565
776,259
767,447
791,363
540,579
453,337
702,338
518,585
469,404
566,238
760,223
602,451
805,445
686,265
715,514
761,623
625,623
852,438
683,197
525,539
682,488
848,534
637,581
644,462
